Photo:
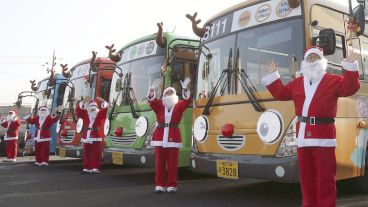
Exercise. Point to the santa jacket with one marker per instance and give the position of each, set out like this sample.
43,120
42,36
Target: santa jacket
43,129
316,100
93,131
13,127
168,136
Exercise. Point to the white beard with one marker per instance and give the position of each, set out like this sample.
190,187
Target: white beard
43,114
10,118
314,70
170,101
92,114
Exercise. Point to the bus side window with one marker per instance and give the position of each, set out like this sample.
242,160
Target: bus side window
364,56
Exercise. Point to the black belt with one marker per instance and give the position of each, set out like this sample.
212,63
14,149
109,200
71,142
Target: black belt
163,125
92,129
315,120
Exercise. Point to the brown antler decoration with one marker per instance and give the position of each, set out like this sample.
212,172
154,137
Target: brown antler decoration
293,3
93,59
198,31
112,56
33,86
160,39
65,71
52,78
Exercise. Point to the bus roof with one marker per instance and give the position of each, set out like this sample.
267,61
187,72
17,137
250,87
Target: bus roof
169,36
338,5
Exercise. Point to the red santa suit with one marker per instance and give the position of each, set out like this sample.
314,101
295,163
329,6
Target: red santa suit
43,135
316,105
12,124
167,140
92,134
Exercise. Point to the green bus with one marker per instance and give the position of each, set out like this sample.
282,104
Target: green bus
164,56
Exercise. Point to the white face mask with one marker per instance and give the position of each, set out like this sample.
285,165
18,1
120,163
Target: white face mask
43,113
170,101
10,117
313,70
93,109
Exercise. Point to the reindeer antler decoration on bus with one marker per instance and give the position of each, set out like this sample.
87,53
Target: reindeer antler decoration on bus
197,30
114,57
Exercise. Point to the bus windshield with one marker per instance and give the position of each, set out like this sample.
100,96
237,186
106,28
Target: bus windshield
248,50
143,72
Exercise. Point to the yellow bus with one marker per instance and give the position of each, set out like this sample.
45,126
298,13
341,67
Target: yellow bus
239,129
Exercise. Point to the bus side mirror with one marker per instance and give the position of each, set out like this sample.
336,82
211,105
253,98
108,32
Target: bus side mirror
326,40
359,17
18,103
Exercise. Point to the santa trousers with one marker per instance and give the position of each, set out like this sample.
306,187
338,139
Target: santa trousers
92,155
171,157
11,149
317,167
42,151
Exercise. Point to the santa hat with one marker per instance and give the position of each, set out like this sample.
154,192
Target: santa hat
42,107
14,112
316,50
168,89
92,103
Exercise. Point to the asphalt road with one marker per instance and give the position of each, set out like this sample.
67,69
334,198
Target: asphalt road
61,184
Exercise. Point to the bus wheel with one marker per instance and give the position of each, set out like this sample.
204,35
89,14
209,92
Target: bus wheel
363,180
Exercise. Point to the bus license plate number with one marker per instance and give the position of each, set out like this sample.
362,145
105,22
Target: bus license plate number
117,158
227,169
62,152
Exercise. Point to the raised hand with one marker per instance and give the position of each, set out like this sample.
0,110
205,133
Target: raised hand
86,99
271,66
185,83
352,56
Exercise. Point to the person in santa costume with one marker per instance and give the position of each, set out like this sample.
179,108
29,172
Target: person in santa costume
92,133
12,124
167,139
43,122
315,96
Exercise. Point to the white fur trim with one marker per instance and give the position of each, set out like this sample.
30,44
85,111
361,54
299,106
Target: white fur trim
186,95
166,145
270,78
350,66
316,142
168,88
315,51
10,138
43,139
82,105
104,105
153,97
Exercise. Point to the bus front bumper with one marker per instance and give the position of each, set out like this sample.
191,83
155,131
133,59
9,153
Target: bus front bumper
254,166
69,151
144,157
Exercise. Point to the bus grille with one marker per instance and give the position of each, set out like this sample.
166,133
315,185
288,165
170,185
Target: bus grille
123,141
69,136
231,144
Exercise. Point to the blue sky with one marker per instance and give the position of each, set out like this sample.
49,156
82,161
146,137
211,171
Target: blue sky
32,29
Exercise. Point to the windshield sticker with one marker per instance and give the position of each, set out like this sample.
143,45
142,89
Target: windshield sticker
140,50
263,13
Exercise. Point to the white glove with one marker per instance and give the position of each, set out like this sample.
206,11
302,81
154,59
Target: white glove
184,84
155,83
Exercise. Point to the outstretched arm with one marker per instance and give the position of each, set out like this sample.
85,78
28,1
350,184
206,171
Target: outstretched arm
350,81
273,83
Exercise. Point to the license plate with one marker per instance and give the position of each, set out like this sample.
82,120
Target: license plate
61,152
227,169
117,158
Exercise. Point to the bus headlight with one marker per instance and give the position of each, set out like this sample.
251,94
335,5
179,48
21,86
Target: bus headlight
289,144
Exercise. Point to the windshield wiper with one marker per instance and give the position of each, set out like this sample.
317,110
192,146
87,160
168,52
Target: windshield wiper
213,93
128,92
249,89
